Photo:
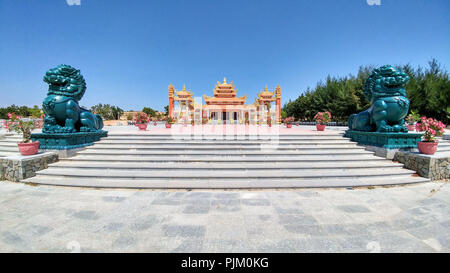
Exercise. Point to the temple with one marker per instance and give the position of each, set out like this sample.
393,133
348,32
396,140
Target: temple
225,106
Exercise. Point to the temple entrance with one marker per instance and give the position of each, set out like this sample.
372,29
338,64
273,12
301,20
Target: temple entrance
224,115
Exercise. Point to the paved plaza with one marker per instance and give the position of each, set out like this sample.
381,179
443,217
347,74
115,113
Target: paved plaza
413,218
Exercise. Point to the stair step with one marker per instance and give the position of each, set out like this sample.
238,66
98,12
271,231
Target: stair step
236,158
225,184
81,165
185,148
265,152
9,148
222,143
221,174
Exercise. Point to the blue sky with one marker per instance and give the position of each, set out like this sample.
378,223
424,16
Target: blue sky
130,51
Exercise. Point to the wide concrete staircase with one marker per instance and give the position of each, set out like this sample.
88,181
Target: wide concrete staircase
8,145
443,147
159,161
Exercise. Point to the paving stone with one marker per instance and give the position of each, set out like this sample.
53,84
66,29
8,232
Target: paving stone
11,238
114,199
226,221
189,246
294,219
183,230
255,202
196,209
124,242
86,215
114,226
353,209
167,201
145,223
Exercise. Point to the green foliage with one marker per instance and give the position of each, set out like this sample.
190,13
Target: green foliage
428,91
35,112
166,110
22,111
107,112
149,111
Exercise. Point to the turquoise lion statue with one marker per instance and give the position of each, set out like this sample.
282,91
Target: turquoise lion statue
62,111
385,89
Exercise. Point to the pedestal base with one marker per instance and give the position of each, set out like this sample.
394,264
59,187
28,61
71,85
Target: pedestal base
385,140
67,141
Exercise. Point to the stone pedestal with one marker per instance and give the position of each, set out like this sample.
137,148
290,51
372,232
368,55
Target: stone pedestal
67,141
385,140
18,167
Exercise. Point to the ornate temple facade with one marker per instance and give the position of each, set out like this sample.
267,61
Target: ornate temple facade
225,106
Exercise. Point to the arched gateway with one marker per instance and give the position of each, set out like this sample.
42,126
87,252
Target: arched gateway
225,106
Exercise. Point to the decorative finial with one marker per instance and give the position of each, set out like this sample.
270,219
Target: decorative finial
265,88
184,87
224,80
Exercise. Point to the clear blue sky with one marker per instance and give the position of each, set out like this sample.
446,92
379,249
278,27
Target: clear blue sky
130,51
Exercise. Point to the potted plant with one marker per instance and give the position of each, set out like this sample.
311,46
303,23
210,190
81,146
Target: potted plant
269,121
192,122
169,122
154,121
411,119
142,120
219,121
26,146
322,118
288,122
431,128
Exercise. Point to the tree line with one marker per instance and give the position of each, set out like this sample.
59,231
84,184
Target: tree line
428,91
23,111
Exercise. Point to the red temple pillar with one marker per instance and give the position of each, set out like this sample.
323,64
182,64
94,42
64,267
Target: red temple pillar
171,100
278,95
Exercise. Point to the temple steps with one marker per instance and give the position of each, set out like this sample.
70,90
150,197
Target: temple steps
143,160
8,145
443,147
76,165
262,174
228,159
242,183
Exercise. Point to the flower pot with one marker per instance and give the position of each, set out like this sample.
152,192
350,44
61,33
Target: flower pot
155,124
142,126
30,148
288,125
411,127
427,148
320,127
168,125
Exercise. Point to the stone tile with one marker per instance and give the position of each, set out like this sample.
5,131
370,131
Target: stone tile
86,215
296,219
354,209
306,230
114,199
167,202
196,209
226,195
189,246
11,238
255,202
184,230
228,246
278,246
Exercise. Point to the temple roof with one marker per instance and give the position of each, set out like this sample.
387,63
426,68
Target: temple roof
183,93
224,94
